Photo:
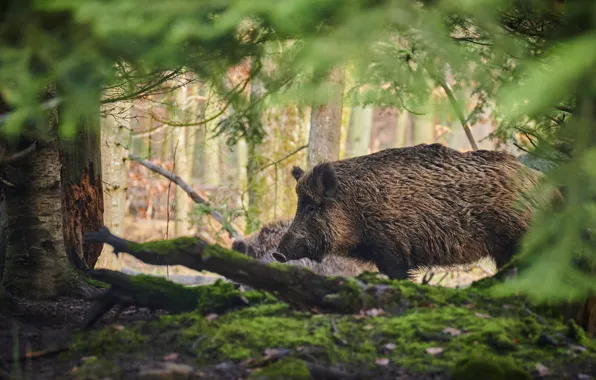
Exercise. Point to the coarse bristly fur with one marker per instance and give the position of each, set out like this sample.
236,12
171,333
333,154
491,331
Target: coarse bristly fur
263,243
414,207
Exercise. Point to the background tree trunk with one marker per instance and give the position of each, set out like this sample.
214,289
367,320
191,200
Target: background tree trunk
82,190
115,137
325,124
183,166
359,131
255,180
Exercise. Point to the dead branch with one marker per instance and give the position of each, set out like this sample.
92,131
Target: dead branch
191,193
458,112
295,151
18,155
299,287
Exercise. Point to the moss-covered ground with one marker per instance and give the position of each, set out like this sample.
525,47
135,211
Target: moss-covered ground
430,332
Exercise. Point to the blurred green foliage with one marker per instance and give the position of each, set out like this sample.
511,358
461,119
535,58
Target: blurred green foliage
532,61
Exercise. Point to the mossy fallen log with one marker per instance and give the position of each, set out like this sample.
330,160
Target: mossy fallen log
299,287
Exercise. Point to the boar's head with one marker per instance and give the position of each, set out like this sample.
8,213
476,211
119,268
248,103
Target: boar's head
321,224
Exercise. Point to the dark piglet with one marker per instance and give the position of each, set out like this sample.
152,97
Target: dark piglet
263,244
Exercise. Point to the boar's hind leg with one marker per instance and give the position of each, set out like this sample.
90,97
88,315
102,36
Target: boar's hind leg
505,253
394,266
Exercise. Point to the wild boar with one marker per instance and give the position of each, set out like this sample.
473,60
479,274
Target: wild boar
412,208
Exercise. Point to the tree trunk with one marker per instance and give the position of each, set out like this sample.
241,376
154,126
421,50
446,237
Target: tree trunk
183,166
255,181
82,190
36,264
401,129
325,124
424,133
359,130
115,136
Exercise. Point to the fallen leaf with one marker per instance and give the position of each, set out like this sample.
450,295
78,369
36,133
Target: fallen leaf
434,350
171,357
382,361
480,315
211,317
389,346
451,331
542,370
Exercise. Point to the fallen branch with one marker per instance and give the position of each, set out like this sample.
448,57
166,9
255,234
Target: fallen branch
154,293
296,286
191,193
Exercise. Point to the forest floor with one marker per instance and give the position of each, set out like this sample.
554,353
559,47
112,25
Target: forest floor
430,336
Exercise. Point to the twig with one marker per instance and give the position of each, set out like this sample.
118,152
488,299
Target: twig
284,157
143,90
49,104
191,193
459,113
442,278
427,277
18,155
565,109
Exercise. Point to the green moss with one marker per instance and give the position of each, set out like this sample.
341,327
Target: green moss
108,340
153,288
217,251
164,247
96,369
484,327
577,333
488,368
97,284
288,368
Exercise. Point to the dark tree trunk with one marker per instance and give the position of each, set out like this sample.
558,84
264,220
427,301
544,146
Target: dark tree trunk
35,264
82,190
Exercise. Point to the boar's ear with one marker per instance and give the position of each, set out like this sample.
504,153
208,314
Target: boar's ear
297,172
325,180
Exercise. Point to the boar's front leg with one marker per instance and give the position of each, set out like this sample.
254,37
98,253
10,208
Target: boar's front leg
394,266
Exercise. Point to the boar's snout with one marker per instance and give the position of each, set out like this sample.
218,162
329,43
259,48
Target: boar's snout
290,249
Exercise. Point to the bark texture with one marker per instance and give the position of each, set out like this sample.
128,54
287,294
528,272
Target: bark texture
36,264
115,134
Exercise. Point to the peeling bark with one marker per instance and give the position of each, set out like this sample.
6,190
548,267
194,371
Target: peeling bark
82,190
